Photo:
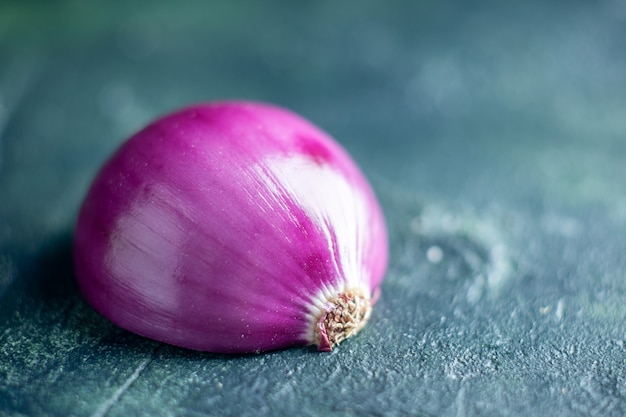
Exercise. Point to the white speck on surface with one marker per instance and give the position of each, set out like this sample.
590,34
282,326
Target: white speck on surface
434,254
560,307
501,268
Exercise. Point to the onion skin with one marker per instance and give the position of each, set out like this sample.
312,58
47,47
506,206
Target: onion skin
230,227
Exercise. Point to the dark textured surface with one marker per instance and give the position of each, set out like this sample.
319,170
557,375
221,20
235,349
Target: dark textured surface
495,136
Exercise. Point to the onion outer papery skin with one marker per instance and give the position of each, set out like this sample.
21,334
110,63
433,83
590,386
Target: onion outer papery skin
232,227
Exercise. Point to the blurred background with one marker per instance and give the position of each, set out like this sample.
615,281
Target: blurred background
494,133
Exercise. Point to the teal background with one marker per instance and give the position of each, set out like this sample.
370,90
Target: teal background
493,132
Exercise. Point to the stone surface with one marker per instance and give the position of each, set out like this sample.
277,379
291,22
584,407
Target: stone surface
494,135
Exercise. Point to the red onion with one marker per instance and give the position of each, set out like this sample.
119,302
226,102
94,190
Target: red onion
232,227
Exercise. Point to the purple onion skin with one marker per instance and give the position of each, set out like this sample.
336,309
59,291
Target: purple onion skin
228,227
